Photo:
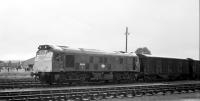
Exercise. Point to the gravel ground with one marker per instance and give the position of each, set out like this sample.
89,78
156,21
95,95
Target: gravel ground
170,97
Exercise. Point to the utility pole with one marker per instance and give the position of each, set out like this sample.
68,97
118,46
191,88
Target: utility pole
126,38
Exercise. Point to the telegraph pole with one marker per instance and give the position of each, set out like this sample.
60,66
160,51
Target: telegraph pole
126,38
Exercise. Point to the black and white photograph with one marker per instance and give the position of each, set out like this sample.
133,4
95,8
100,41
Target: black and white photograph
99,50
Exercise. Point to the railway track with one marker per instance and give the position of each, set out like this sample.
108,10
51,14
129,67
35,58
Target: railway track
32,83
97,92
20,83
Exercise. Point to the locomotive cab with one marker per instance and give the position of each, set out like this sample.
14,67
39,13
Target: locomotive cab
43,61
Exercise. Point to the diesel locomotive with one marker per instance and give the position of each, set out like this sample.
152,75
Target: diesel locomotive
64,64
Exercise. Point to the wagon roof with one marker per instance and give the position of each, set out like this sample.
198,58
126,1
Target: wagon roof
68,49
166,57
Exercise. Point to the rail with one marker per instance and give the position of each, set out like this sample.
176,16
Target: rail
98,93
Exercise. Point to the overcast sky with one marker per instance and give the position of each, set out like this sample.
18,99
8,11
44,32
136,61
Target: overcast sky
167,27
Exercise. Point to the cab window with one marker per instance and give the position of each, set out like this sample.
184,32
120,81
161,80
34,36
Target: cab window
69,61
91,59
121,61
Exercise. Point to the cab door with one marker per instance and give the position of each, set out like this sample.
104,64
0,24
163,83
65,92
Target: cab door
58,62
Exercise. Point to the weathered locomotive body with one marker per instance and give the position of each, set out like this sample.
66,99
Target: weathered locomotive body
64,64
61,63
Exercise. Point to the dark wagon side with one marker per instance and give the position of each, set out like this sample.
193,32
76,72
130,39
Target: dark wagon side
162,68
196,69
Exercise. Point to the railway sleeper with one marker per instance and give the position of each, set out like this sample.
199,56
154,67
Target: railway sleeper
103,95
149,93
86,97
98,96
34,99
111,94
59,98
168,90
122,94
156,91
129,95
183,90
139,93
94,96
75,97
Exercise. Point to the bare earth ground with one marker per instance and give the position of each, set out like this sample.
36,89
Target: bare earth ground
170,97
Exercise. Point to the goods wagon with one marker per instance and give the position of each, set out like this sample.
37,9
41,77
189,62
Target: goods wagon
161,68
